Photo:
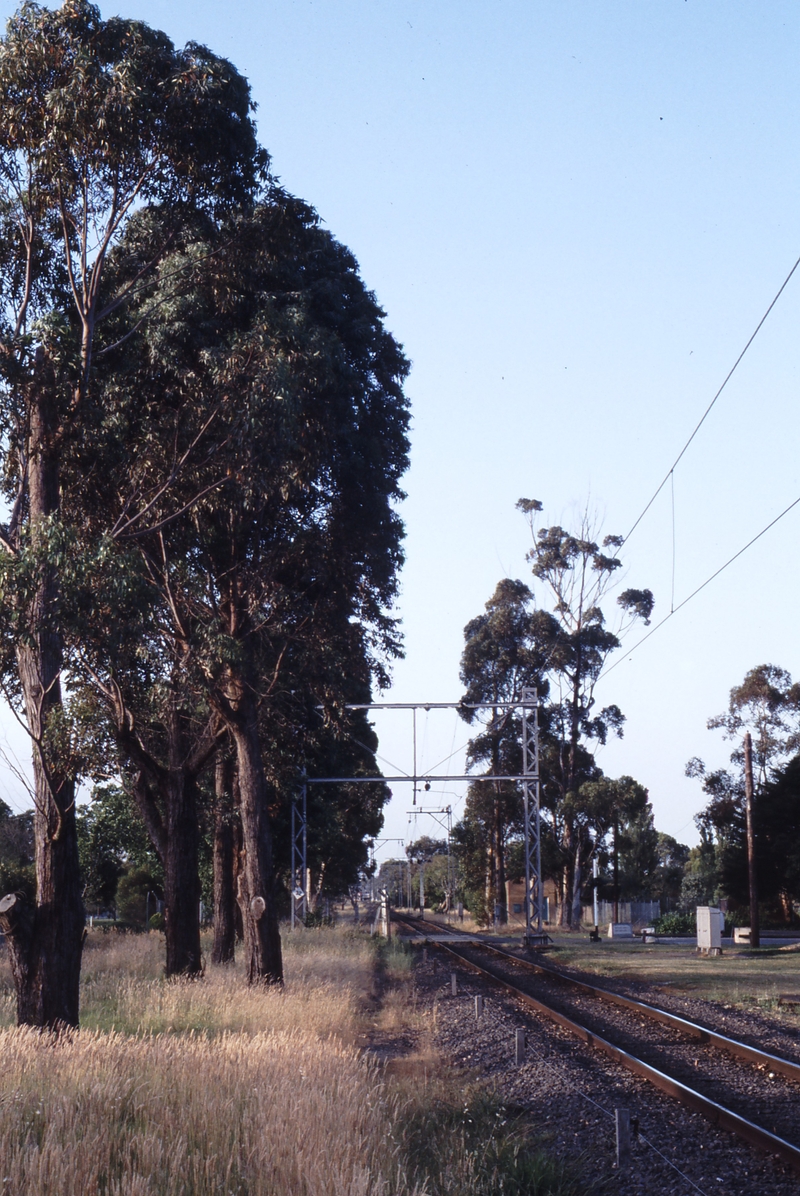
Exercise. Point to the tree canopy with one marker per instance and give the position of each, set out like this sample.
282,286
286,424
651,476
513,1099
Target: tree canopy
555,639
767,704
203,430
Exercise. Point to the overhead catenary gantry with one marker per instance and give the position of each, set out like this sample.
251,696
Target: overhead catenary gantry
528,779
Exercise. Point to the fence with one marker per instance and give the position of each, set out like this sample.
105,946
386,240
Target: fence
638,913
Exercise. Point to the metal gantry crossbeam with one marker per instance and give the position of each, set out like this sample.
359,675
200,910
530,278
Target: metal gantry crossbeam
409,778
430,706
528,778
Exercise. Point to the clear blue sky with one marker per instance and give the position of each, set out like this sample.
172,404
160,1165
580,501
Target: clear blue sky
574,215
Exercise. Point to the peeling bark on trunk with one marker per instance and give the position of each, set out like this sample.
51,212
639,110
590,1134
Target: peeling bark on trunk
256,882
489,878
238,863
565,912
224,899
46,942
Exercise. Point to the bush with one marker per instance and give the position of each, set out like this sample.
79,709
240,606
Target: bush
156,922
132,896
315,918
677,924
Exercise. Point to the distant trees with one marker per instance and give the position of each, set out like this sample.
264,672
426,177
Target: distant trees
560,649
617,811
112,839
672,860
16,851
430,860
767,704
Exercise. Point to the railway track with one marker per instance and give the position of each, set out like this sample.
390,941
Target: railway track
736,1086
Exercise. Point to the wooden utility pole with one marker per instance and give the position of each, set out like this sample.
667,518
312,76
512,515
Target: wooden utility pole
755,931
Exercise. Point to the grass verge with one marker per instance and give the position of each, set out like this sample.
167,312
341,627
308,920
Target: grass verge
210,1088
750,979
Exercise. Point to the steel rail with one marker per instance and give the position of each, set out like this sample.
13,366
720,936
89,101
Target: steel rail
717,1114
741,1050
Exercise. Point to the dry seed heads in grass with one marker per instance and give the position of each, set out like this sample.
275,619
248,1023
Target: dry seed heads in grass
169,1115
213,1088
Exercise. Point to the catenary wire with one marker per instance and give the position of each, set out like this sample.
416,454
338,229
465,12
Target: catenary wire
702,420
672,593
708,581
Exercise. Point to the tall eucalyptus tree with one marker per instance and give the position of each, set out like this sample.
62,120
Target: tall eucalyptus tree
576,574
98,120
270,556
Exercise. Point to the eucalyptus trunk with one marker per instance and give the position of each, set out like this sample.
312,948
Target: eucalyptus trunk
167,799
256,882
181,878
489,876
567,876
45,942
577,886
224,899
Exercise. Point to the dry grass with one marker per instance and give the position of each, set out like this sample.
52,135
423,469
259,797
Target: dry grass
736,977
201,1087
173,1115
327,976
210,1088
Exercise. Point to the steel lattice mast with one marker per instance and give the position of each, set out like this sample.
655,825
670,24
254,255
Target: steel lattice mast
531,793
529,779
300,854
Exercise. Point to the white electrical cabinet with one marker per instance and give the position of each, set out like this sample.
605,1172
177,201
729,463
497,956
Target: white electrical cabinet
710,922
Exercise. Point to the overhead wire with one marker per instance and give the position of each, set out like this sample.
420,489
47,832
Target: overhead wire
670,477
446,759
708,581
705,414
441,787
672,592
376,754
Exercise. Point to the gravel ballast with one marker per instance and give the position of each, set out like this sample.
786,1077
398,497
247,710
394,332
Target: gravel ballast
570,1092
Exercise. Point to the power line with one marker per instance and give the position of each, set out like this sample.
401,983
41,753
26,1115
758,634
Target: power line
708,581
713,401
